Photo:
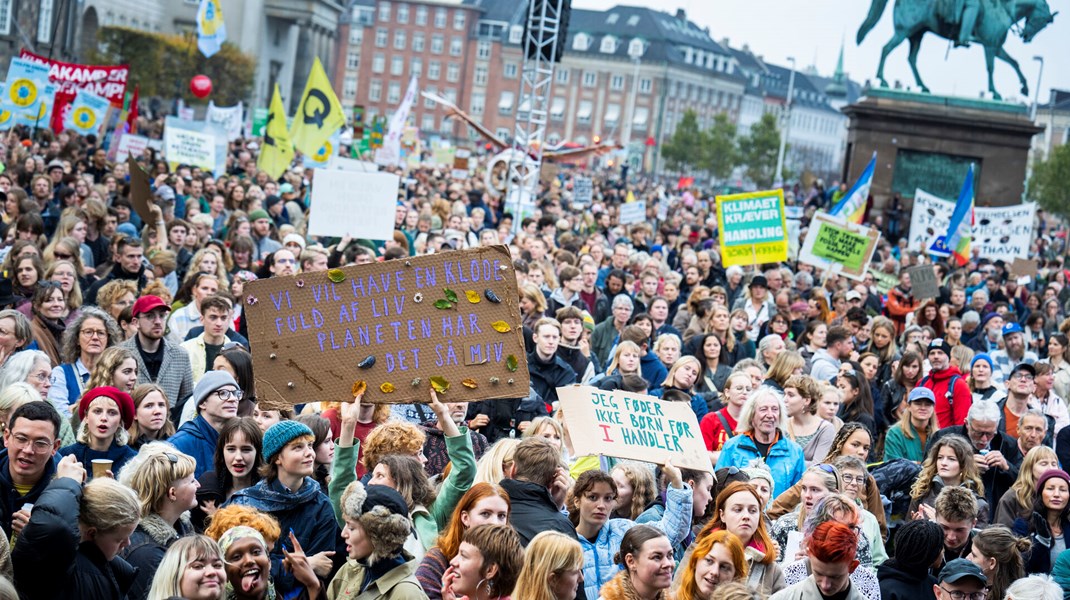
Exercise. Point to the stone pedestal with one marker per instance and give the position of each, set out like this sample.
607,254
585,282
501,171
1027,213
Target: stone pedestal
930,141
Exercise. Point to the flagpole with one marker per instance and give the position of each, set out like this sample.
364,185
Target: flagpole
51,47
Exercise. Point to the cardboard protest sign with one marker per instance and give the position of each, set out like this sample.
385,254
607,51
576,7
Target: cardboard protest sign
140,190
633,426
397,326
923,282
834,244
752,228
999,232
460,163
130,145
632,212
360,205
1024,270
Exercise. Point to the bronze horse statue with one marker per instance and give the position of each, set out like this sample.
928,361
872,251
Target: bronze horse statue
992,19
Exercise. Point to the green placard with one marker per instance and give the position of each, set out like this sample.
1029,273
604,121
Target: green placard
260,119
841,246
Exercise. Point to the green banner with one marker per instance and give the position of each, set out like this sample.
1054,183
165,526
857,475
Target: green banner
840,245
260,119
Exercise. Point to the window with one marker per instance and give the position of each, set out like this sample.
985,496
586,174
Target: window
633,20
483,50
421,15
590,78
557,108
616,82
403,13
349,87
399,39
431,89
427,123
478,103
434,69
480,77
417,42
417,67
380,37
645,85
612,19
375,90
446,128
458,20
453,72
440,18
516,34
612,114
397,65
609,45
562,75
525,107
378,63
456,45
384,12
505,103
437,43
356,34
580,42
639,119
583,115
450,94
393,94
510,70
353,60
503,133
636,48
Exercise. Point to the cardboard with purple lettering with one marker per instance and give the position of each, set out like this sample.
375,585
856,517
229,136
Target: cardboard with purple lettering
395,328
633,426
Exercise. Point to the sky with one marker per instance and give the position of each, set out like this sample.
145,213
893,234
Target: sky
811,31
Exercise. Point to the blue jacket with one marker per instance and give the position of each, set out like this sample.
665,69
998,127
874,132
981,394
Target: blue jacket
198,439
785,459
598,565
653,371
116,453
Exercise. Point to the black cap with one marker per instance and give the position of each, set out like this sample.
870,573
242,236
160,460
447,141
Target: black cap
941,345
959,569
380,495
1028,368
759,280
271,201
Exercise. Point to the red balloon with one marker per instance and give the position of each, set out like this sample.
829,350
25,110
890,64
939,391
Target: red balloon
200,86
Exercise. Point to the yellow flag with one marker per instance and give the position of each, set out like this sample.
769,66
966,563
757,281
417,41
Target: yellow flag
319,115
278,151
629,198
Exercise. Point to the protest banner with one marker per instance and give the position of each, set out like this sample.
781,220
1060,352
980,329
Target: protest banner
130,145
24,86
229,118
460,163
108,81
633,426
582,190
355,204
999,232
188,147
752,228
923,282
632,212
838,246
449,319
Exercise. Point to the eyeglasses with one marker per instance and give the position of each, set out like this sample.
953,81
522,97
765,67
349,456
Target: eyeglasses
853,479
957,595
285,261
48,283
225,395
39,446
94,333
1022,375
41,377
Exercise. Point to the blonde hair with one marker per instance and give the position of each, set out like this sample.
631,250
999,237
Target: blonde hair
121,437
14,396
548,554
644,487
107,505
534,294
499,457
621,347
110,360
220,269
153,473
167,583
538,422
1025,487
906,425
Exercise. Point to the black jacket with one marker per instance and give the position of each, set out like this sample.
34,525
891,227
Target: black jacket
50,562
117,272
10,500
996,481
546,377
505,415
897,584
533,511
148,544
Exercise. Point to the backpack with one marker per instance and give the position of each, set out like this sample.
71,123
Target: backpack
949,394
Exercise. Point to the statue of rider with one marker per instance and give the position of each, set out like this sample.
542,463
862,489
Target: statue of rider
969,11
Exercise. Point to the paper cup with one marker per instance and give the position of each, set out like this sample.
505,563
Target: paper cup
101,466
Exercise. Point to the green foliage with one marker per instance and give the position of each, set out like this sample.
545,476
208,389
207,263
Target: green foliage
759,151
713,151
721,152
684,150
163,64
1050,183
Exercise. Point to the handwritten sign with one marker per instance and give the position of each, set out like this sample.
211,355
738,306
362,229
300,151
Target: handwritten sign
188,147
394,325
131,145
923,282
633,426
360,205
582,190
999,232
632,212
838,246
752,228
460,163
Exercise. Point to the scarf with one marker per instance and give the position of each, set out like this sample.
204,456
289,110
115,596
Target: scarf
621,588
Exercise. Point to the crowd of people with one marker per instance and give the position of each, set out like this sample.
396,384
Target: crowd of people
864,443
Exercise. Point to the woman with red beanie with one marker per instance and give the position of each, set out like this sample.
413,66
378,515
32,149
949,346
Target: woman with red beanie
105,413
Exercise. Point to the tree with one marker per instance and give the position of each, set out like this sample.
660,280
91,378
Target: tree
162,65
684,149
1050,183
759,150
720,153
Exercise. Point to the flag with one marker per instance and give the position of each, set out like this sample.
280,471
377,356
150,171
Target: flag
956,242
322,158
390,153
629,198
319,115
131,117
227,117
87,112
277,152
853,205
211,31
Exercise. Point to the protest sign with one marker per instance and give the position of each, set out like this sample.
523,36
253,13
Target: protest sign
397,326
632,212
354,204
633,426
1024,270
341,163
131,145
107,81
923,282
140,190
884,281
188,147
260,121
752,228
999,232
838,246
443,155
460,163
582,190
229,118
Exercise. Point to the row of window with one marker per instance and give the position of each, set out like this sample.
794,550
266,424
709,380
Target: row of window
397,67
584,110
393,92
420,17
438,41
46,11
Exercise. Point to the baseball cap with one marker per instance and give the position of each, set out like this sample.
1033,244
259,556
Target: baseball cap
959,569
1028,368
149,303
919,394
759,280
1011,327
853,295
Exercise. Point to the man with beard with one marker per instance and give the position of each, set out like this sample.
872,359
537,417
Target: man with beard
159,361
986,340
442,438
1013,353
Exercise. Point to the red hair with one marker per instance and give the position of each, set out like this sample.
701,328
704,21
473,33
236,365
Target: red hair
833,542
450,539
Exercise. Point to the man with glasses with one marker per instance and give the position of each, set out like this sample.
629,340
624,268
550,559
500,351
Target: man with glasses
996,453
26,466
960,579
216,397
159,361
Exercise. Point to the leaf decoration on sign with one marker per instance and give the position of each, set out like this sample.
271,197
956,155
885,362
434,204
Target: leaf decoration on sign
443,304
336,275
387,388
491,296
473,296
450,295
359,387
501,327
439,384
511,363
367,363
470,383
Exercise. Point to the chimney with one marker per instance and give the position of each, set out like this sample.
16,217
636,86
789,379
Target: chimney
724,42
681,15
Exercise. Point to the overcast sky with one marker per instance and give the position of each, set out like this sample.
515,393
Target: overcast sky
811,31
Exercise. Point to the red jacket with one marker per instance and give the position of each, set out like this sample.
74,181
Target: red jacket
951,408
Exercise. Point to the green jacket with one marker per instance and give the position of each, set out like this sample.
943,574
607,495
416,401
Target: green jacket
398,583
427,521
897,445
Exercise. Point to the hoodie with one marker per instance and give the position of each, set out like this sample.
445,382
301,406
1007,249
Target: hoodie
951,404
898,584
10,500
653,370
198,439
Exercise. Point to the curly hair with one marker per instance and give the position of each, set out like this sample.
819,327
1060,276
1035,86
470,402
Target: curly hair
393,437
644,488
585,483
234,515
1025,487
111,292
385,530
968,475
70,351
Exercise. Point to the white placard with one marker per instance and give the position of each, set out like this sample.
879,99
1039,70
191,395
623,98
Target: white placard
791,549
131,145
188,147
582,190
359,205
1003,232
341,163
633,212
229,118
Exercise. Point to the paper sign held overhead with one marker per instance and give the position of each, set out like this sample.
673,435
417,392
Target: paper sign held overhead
582,190
633,426
838,246
923,282
632,212
451,319
360,205
752,228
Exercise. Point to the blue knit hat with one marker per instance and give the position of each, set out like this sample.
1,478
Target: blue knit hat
280,434
982,356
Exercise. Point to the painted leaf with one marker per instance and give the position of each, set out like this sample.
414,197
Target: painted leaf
336,275
472,296
359,387
491,296
450,295
501,327
470,383
367,363
439,384
511,363
387,388
443,304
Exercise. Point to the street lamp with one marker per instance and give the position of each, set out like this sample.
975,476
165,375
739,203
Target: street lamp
787,127
1036,92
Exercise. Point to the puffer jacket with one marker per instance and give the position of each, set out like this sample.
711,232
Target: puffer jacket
197,439
785,459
